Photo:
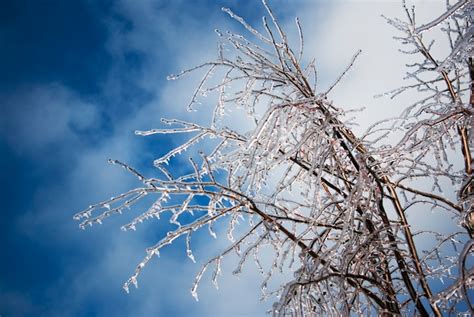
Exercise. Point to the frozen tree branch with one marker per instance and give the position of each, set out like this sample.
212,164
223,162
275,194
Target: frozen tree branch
301,182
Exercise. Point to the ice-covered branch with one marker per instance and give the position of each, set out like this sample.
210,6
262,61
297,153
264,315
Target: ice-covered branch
296,179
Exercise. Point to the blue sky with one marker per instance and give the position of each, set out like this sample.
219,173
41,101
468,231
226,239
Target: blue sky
76,79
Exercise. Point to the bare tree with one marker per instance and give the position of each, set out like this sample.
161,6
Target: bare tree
333,206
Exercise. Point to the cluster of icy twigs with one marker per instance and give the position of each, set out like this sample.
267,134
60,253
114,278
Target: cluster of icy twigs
302,184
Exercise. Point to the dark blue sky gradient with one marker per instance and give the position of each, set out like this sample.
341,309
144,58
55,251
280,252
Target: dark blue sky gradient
53,41
42,42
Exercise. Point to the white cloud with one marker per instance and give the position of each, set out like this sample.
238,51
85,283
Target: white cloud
44,115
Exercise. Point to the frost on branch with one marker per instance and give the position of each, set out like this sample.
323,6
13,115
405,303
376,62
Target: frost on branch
331,205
